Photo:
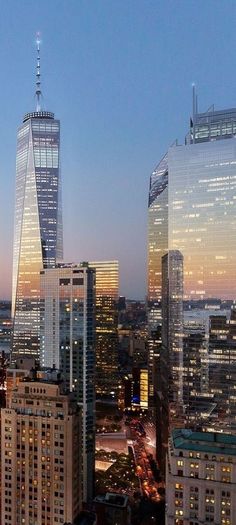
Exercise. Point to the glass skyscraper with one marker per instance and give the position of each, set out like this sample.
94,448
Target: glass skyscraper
38,221
68,343
157,247
192,200
172,326
157,234
107,289
201,225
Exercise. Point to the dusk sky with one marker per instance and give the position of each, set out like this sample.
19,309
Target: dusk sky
118,74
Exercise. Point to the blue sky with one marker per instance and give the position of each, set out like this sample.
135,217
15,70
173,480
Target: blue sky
118,74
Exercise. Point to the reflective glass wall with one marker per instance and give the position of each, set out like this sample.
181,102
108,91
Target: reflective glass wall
107,290
38,223
157,229
202,226
201,217
157,247
198,222
68,343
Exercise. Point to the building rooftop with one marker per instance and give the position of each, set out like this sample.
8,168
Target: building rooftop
213,125
38,115
212,442
44,375
212,115
86,518
111,498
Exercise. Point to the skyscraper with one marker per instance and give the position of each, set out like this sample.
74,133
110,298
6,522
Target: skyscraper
222,368
40,451
192,210
157,247
107,289
68,342
38,219
157,235
172,326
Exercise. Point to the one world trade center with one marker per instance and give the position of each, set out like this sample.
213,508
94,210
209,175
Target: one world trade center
38,240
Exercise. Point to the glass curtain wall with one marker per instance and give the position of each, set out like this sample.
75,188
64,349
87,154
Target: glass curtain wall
38,224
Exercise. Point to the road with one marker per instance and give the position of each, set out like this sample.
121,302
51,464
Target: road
141,446
139,434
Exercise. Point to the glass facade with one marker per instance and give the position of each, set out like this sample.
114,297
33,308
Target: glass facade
201,224
201,216
107,289
172,326
222,367
38,223
68,343
193,212
157,247
213,125
169,382
157,231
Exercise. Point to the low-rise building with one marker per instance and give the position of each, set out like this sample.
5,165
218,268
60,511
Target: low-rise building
112,509
201,478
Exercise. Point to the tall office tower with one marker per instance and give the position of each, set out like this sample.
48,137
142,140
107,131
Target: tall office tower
157,234
199,214
133,394
5,327
40,432
68,342
222,368
198,401
172,324
38,220
157,247
107,290
196,397
169,404
201,478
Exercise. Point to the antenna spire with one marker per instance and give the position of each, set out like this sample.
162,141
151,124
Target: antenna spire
194,101
38,91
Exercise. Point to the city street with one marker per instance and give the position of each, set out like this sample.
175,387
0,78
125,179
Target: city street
138,435
142,444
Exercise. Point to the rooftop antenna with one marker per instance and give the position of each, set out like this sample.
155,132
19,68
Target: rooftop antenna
38,91
194,110
194,101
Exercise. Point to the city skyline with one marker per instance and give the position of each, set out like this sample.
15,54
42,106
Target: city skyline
116,118
118,347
